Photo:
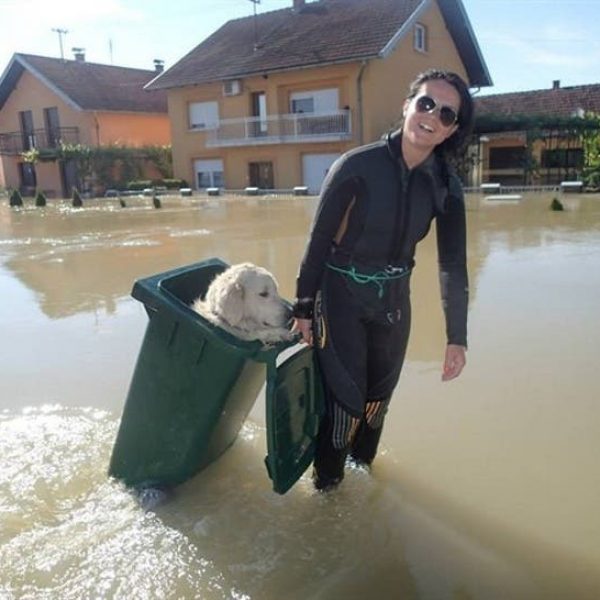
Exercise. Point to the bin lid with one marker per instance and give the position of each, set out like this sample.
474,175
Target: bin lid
294,404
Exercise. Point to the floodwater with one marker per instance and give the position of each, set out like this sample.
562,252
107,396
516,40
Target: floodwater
487,487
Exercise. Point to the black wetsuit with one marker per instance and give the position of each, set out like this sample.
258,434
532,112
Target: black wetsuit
361,283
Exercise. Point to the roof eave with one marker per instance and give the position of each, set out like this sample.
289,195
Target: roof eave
243,74
405,29
467,46
148,85
8,79
48,83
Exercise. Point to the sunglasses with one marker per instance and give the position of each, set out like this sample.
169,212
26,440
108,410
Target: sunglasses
447,115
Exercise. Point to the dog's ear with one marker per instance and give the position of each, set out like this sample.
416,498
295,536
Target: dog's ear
229,303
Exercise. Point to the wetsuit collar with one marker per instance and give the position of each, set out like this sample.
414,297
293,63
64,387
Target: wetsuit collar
394,146
431,165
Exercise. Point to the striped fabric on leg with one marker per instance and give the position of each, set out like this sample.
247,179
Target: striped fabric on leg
375,411
344,427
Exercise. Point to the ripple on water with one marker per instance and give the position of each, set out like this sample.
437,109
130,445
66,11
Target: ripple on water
189,233
68,531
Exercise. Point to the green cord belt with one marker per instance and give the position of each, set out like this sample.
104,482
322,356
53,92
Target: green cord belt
379,278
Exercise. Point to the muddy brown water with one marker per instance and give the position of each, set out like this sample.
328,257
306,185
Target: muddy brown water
487,487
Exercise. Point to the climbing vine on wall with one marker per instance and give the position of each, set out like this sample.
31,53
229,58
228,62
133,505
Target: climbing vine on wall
106,166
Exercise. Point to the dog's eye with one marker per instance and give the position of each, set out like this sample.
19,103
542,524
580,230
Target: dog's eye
264,294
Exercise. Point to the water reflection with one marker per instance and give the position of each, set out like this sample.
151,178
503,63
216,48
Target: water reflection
486,487
78,260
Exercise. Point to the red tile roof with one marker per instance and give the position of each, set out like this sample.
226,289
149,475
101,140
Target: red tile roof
89,86
323,32
553,102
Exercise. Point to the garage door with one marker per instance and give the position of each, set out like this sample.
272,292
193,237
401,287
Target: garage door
314,169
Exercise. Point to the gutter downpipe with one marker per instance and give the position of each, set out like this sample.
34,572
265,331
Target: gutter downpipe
97,127
359,100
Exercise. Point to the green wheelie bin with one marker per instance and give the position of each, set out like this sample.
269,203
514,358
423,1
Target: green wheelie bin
194,384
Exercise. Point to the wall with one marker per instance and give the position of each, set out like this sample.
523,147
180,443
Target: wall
132,129
190,145
30,94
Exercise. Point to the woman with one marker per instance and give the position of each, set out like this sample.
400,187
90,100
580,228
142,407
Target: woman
353,289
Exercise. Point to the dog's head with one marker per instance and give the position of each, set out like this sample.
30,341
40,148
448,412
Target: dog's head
246,296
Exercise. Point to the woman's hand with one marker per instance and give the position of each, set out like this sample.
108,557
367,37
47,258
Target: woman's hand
454,361
304,326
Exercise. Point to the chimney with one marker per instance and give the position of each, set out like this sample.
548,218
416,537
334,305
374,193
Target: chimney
79,54
159,65
556,84
298,5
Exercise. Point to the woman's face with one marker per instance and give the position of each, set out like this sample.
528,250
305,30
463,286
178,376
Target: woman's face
425,130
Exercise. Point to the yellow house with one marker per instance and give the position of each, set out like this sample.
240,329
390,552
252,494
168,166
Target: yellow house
44,101
271,101
534,137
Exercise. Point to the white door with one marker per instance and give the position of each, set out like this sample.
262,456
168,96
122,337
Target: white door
209,173
314,169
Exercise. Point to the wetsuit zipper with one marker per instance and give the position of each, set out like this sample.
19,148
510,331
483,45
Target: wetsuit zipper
402,216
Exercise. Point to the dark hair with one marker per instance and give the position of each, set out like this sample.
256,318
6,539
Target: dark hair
466,112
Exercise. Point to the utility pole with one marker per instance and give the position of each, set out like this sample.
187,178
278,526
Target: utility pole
61,32
255,2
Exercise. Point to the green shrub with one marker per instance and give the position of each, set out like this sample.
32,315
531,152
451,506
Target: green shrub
139,185
556,204
592,179
174,184
15,198
40,198
142,184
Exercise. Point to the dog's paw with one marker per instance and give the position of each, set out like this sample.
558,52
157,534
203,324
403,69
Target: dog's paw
275,336
285,335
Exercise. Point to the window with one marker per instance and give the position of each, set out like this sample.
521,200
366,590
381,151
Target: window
258,106
316,101
562,158
420,40
303,105
209,173
27,132
510,157
52,126
204,115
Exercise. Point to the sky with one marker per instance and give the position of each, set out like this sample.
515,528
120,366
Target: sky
526,44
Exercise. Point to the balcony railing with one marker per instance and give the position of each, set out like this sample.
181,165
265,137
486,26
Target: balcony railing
41,139
282,129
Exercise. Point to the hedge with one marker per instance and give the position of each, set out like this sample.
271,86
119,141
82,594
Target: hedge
143,184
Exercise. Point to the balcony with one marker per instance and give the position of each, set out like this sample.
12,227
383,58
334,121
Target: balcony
281,129
43,139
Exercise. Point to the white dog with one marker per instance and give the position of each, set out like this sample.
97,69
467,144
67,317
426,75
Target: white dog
244,300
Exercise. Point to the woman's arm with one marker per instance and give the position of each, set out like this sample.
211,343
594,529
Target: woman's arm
452,258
